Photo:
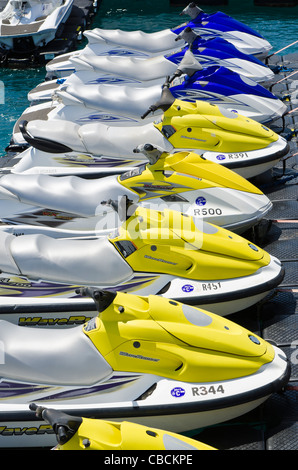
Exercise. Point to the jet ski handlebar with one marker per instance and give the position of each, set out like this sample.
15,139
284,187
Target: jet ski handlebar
124,207
191,10
165,102
152,152
188,35
64,425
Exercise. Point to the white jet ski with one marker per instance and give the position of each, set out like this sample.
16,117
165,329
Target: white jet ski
74,206
206,25
124,104
209,52
140,44
133,73
27,25
152,252
143,359
237,142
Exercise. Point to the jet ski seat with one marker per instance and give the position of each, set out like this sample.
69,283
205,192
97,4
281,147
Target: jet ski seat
50,356
131,67
112,98
112,140
46,191
92,262
143,70
154,43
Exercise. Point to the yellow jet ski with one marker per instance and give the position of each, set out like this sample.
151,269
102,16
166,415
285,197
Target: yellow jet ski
79,433
232,140
151,252
184,181
147,360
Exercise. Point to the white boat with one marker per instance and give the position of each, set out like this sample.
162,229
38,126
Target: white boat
27,25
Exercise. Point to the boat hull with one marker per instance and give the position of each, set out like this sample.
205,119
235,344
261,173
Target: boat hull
40,31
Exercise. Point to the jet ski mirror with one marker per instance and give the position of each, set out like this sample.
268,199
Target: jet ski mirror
152,152
64,425
191,10
102,298
164,103
188,35
189,65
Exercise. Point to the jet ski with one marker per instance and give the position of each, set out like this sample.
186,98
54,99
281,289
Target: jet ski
27,25
189,82
79,433
151,252
182,181
118,71
221,25
147,360
234,141
209,52
124,104
140,44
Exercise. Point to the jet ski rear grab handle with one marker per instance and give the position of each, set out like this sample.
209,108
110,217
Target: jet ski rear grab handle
101,298
64,425
40,143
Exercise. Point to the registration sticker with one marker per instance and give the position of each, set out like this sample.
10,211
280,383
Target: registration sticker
178,392
187,288
201,201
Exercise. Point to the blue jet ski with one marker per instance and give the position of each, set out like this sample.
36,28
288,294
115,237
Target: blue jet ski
222,25
209,51
218,51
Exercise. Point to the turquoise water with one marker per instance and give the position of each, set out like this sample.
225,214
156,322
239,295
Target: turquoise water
277,25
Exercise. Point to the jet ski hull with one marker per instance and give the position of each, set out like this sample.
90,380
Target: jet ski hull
252,163
27,302
144,399
25,219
